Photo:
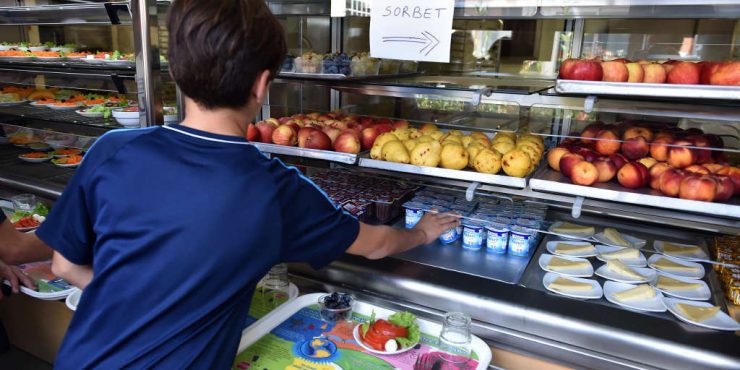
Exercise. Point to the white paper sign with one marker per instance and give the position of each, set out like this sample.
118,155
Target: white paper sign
419,30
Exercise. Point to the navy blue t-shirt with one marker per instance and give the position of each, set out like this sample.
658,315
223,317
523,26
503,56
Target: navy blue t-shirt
179,226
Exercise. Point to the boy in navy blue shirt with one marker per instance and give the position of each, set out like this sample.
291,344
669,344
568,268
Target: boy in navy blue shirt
169,229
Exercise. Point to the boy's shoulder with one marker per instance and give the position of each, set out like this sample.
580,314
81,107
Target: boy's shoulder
108,144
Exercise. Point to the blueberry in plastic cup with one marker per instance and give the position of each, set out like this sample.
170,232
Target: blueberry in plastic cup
336,306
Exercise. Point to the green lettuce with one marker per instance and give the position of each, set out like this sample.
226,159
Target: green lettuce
408,321
366,326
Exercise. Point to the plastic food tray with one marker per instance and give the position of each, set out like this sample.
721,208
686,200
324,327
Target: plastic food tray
290,335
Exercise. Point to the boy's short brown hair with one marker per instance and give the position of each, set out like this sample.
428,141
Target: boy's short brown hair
218,47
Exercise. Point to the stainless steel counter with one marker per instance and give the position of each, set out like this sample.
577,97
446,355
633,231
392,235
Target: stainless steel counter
576,333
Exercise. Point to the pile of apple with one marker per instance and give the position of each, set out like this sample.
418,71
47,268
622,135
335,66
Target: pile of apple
323,131
431,147
674,162
672,71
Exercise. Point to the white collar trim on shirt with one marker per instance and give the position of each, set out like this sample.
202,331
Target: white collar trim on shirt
204,137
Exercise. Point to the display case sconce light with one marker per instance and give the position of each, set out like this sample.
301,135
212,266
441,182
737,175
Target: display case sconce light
487,91
588,104
577,207
470,193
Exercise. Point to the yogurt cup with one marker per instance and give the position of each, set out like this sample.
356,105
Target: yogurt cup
521,239
497,236
414,213
473,235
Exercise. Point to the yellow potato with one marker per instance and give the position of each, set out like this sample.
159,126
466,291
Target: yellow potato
487,161
516,163
426,154
504,147
453,156
375,151
395,151
409,144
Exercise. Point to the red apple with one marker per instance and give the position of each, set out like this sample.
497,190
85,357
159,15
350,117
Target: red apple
670,64
635,148
347,142
332,133
725,188
567,162
687,73
265,131
728,73
284,120
318,140
586,70
368,137
630,176
584,173
680,156
670,182
367,121
635,72
252,133
655,172
607,169
696,187
619,160
293,125
654,73
401,124
273,121
607,142
554,155
566,68
383,128
303,135
659,148
313,115
621,60
285,135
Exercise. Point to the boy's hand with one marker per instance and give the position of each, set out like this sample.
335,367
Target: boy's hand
14,275
434,224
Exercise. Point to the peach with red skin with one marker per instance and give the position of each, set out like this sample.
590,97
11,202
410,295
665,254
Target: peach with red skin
607,169
714,167
686,73
554,155
655,172
670,64
644,173
659,148
590,132
648,162
584,173
635,131
702,155
635,148
630,176
680,155
670,182
725,188
727,73
614,72
567,162
619,160
698,187
607,142
698,169
272,121
588,154
734,174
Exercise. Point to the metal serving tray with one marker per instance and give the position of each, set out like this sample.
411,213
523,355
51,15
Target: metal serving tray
551,181
645,89
502,180
326,155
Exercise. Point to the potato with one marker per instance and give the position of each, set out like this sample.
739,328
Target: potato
516,163
409,144
453,156
401,133
487,161
504,147
426,154
375,151
395,151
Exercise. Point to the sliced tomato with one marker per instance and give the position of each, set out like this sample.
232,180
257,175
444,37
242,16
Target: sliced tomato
372,340
392,331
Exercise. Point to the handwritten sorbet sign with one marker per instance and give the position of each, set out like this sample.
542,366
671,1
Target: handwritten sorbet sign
419,30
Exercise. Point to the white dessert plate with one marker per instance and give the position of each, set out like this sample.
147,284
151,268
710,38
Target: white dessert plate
720,321
595,293
697,274
698,294
636,262
34,160
607,273
589,253
654,304
634,241
696,256
575,272
569,235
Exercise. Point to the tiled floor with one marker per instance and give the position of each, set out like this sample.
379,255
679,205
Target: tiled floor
16,359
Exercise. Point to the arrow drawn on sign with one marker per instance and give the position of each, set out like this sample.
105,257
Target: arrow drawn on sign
428,39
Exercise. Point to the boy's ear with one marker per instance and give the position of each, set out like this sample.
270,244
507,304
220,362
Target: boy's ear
261,86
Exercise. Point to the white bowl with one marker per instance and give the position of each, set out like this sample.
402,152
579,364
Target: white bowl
38,48
62,142
126,119
7,47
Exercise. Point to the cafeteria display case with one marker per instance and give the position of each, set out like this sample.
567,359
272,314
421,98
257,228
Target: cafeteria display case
502,81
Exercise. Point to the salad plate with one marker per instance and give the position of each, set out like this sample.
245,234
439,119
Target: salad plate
388,333
89,113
